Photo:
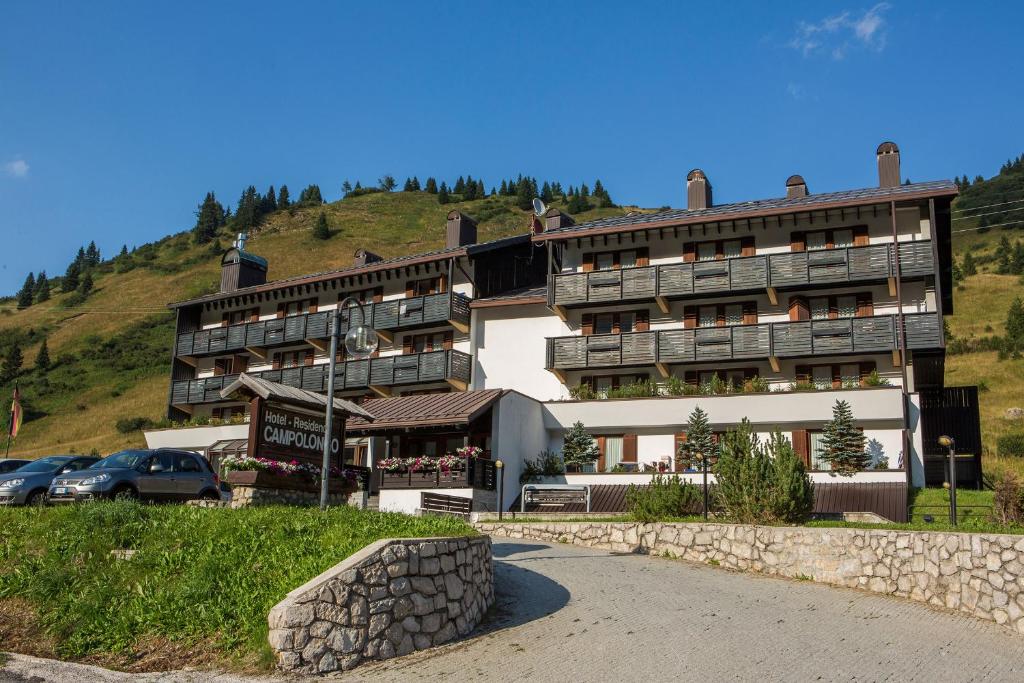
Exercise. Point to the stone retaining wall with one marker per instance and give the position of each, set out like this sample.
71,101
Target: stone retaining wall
980,574
391,598
246,496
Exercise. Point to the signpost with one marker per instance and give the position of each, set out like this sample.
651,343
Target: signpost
285,434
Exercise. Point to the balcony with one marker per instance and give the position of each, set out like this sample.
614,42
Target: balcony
377,374
788,270
477,474
661,348
400,314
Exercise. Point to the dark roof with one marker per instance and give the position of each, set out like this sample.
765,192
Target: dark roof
375,266
427,410
752,209
527,295
244,256
272,391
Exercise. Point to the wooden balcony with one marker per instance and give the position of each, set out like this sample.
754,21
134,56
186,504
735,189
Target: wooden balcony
762,341
377,374
478,474
431,310
768,272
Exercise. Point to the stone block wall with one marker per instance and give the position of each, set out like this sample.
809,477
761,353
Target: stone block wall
246,496
980,574
391,598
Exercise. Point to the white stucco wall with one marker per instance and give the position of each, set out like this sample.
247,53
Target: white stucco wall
509,350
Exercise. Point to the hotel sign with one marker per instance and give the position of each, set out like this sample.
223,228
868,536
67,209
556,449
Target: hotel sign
285,434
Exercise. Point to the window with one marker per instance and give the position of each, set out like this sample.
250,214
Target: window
292,359
849,374
602,384
834,376
604,323
612,452
616,323
816,438
721,315
227,412
732,248
364,296
718,249
819,308
605,261
734,314
708,316
161,462
432,285
841,238
627,259
187,463
423,343
610,260
735,378
846,306
706,251
824,307
294,308
816,241
821,376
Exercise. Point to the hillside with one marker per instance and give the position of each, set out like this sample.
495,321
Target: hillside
111,354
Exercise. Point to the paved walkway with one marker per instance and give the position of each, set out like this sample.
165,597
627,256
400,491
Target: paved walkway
574,614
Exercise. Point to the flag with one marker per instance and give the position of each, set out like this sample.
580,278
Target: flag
17,415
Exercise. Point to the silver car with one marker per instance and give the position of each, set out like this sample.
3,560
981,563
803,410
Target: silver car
28,484
161,475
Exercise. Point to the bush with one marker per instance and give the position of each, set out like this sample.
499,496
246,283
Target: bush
127,425
665,497
761,484
547,463
1011,444
1008,500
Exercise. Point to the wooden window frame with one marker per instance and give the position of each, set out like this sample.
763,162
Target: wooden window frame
861,238
748,247
641,321
589,259
409,342
800,306
691,314
804,373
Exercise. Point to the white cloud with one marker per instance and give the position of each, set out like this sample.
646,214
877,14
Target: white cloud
17,168
796,91
838,33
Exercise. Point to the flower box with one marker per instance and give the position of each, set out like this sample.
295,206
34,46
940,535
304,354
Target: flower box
269,480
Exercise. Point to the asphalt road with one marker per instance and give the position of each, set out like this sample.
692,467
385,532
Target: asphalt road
573,614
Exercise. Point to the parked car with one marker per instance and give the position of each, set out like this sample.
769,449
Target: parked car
28,484
163,475
11,464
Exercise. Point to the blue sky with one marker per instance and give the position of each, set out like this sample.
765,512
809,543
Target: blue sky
116,118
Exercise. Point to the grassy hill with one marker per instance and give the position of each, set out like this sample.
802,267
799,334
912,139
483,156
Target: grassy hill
111,353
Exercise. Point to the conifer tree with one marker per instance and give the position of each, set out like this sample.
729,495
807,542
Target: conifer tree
408,185
69,282
442,194
700,441
269,203
26,292
124,250
545,193
320,230
792,499
387,183
460,186
12,364
416,184
842,444
503,190
357,187
85,286
346,188
92,255
969,267
469,190
1015,326
209,218
1017,258
524,195
480,191
42,292
283,200
431,186
578,447
43,357
1005,251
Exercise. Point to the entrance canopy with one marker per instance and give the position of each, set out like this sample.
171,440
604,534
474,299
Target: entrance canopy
456,409
248,386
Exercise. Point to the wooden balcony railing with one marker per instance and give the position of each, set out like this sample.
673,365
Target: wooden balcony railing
875,334
478,474
743,274
397,314
388,371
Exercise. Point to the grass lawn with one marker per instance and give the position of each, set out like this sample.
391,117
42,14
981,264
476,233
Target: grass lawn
197,591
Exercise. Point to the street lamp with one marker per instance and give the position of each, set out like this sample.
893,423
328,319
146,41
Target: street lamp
360,342
948,442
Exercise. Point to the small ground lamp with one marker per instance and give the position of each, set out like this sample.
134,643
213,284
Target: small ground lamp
948,442
500,466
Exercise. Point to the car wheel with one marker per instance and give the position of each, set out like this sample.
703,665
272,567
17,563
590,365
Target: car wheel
36,499
209,495
126,493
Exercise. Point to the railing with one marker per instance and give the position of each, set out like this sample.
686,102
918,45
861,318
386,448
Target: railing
478,474
419,368
742,274
875,334
397,314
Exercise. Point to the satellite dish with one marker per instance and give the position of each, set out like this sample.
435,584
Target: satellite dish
538,207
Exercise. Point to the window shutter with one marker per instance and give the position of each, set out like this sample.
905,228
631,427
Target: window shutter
749,312
691,377
643,320
448,340
308,360
378,294
240,364
410,289
689,317
803,374
860,236
801,446
866,368
837,377
600,459
407,344
313,305
280,310
254,315
588,324
689,252
747,246
276,363
629,448
442,283
798,308
796,241
588,262
643,256
833,307
224,320
865,308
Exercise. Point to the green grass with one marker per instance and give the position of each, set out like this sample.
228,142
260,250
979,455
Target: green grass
200,577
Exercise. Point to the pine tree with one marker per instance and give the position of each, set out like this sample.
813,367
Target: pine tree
480,191
311,196
431,186
124,251
969,267
43,357
408,185
283,200
1017,258
346,188
503,190
12,364
460,186
26,291
524,195
442,194
416,184
1015,325
577,204
792,499
1005,250
604,199
545,193
209,218
85,286
469,190
842,444
69,282
269,203
700,441
578,447
387,183
42,292
92,255
320,230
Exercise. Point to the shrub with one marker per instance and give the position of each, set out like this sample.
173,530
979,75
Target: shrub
583,392
547,463
757,385
127,425
1011,444
875,380
1008,500
578,447
665,497
635,390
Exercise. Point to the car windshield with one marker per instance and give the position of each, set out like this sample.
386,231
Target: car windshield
121,461
50,464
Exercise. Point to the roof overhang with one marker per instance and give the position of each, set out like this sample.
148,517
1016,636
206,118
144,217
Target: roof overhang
428,411
247,386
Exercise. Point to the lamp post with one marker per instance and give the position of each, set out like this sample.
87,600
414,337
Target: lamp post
500,466
360,342
949,443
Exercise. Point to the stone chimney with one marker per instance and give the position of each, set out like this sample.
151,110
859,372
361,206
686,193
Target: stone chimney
461,230
698,190
554,219
888,164
795,187
364,257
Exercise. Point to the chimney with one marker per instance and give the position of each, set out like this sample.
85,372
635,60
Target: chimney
888,164
240,269
363,257
461,230
698,190
795,187
554,219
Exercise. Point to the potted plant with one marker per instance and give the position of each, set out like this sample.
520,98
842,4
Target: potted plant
242,470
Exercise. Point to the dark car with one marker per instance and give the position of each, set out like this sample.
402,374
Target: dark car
11,464
162,475
28,484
